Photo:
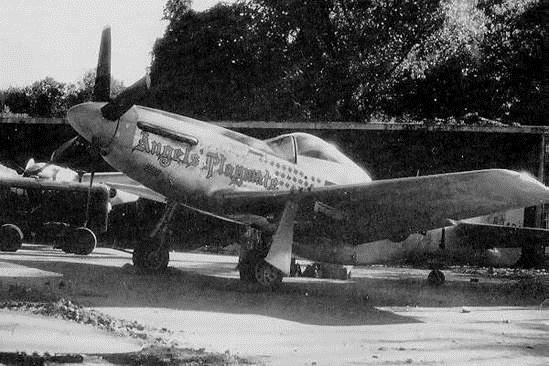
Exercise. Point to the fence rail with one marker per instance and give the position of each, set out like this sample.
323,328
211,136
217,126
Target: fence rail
371,126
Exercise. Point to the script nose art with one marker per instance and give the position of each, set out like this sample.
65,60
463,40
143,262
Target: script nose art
87,120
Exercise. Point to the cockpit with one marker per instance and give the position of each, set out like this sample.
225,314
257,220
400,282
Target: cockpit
291,146
302,148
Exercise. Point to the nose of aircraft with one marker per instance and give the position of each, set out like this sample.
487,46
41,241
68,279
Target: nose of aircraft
87,120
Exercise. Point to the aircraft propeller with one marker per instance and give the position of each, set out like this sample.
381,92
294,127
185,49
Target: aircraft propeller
119,105
126,99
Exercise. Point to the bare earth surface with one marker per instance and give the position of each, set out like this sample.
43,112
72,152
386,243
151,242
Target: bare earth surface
383,315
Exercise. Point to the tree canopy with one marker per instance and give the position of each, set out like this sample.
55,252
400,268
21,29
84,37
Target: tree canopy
50,98
345,60
338,60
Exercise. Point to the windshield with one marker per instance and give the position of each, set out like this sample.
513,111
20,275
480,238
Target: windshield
283,146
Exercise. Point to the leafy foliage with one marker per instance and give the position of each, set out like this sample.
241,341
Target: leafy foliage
50,98
351,59
338,60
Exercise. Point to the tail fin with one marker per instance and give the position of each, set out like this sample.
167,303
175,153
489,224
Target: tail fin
102,88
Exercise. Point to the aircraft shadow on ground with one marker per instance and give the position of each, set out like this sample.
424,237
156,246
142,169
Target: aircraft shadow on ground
101,286
304,301
56,255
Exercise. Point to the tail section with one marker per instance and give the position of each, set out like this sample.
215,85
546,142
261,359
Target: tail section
102,88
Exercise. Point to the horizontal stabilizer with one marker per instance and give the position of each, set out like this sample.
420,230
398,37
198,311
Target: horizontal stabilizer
500,236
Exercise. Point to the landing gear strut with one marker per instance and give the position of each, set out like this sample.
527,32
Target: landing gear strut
266,258
153,254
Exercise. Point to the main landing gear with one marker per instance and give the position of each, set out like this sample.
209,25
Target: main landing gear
153,253
254,269
265,258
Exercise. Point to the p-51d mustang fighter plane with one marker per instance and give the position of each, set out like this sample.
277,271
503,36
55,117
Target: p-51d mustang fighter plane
275,185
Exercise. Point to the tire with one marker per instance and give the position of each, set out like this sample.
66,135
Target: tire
82,241
267,276
11,238
436,278
150,257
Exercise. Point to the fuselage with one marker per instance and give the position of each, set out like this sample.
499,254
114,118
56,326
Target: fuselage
189,161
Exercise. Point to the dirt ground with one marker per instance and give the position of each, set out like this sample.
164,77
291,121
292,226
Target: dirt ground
382,315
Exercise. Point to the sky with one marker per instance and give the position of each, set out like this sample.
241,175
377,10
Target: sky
60,38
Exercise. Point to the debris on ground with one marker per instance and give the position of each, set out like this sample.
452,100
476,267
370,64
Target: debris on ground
174,356
67,310
153,355
22,358
159,350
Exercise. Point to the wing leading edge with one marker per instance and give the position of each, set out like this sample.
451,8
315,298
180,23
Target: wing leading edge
395,208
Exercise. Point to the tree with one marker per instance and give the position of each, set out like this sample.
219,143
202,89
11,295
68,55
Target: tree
82,91
351,59
18,100
210,64
46,98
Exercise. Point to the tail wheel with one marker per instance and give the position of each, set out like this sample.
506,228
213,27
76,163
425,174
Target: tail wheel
11,238
151,257
267,275
82,241
436,277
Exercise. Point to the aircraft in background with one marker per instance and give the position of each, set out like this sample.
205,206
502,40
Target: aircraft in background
289,184
48,201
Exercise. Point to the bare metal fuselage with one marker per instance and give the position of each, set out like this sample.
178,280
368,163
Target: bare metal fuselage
189,161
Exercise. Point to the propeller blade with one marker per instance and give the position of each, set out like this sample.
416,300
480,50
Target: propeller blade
102,87
126,99
57,154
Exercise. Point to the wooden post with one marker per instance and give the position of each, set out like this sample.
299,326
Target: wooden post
540,210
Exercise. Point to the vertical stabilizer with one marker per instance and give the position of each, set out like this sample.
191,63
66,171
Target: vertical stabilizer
102,87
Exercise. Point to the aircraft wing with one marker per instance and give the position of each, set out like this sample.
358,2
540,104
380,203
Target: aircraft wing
44,184
127,189
7,172
394,208
133,192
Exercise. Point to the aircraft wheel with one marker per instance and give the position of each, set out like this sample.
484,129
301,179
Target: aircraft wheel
267,275
11,238
151,258
247,263
82,241
436,277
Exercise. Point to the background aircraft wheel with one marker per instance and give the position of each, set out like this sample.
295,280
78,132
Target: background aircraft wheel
82,241
247,263
436,277
11,238
151,258
267,275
